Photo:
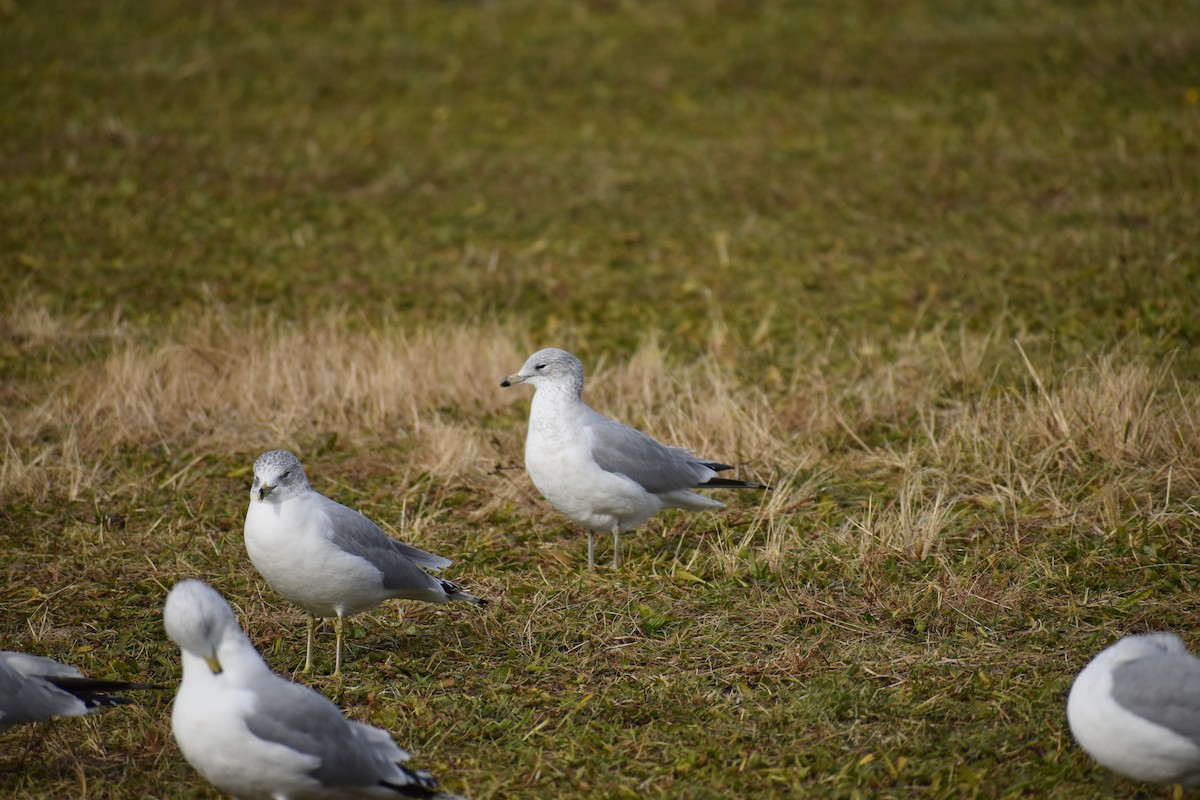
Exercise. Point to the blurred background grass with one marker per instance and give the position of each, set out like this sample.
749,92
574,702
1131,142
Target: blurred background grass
608,168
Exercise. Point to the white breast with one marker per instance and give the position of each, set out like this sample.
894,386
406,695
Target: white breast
289,543
559,461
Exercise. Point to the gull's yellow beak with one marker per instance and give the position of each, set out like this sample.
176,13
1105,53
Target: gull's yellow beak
213,664
514,379
264,490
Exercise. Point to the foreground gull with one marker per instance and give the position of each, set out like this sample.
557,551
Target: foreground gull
35,688
255,735
1135,708
601,474
327,558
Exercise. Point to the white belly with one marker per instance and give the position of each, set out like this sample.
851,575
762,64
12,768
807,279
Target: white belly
564,471
286,543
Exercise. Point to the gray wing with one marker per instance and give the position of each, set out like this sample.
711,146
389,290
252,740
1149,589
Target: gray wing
398,561
656,467
38,666
299,718
1163,689
25,698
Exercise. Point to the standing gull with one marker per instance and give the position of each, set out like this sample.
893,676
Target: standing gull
253,734
1135,708
601,474
327,558
36,688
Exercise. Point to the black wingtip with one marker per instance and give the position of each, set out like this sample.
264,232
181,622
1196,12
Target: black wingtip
98,692
422,784
730,483
97,685
104,700
455,592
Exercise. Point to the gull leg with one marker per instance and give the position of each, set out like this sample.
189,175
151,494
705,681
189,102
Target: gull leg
312,627
337,664
591,551
616,546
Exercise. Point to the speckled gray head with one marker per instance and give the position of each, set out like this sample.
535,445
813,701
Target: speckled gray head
550,367
1132,648
278,475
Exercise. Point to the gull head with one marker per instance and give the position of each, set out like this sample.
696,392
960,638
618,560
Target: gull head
549,367
1139,646
199,620
278,475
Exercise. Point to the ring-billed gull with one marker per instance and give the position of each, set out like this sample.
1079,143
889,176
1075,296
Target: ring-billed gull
36,688
602,474
254,734
1135,708
329,559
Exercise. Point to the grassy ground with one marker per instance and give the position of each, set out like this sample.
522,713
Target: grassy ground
928,268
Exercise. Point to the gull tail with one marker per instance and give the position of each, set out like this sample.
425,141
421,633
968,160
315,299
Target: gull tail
455,592
97,692
419,556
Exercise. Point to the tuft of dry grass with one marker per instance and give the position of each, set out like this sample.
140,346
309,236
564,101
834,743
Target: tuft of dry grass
914,525
216,386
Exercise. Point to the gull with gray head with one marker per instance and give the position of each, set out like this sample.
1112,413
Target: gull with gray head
36,688
601,474
255,735
327,558
1135,708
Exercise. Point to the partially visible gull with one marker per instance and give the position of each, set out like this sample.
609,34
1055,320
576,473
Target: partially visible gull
1135,708
327,558
256,735
36,688
602,474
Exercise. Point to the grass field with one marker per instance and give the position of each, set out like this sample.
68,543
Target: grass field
929,269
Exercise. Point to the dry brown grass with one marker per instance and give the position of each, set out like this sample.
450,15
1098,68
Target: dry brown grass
927,419
215,385
913,525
